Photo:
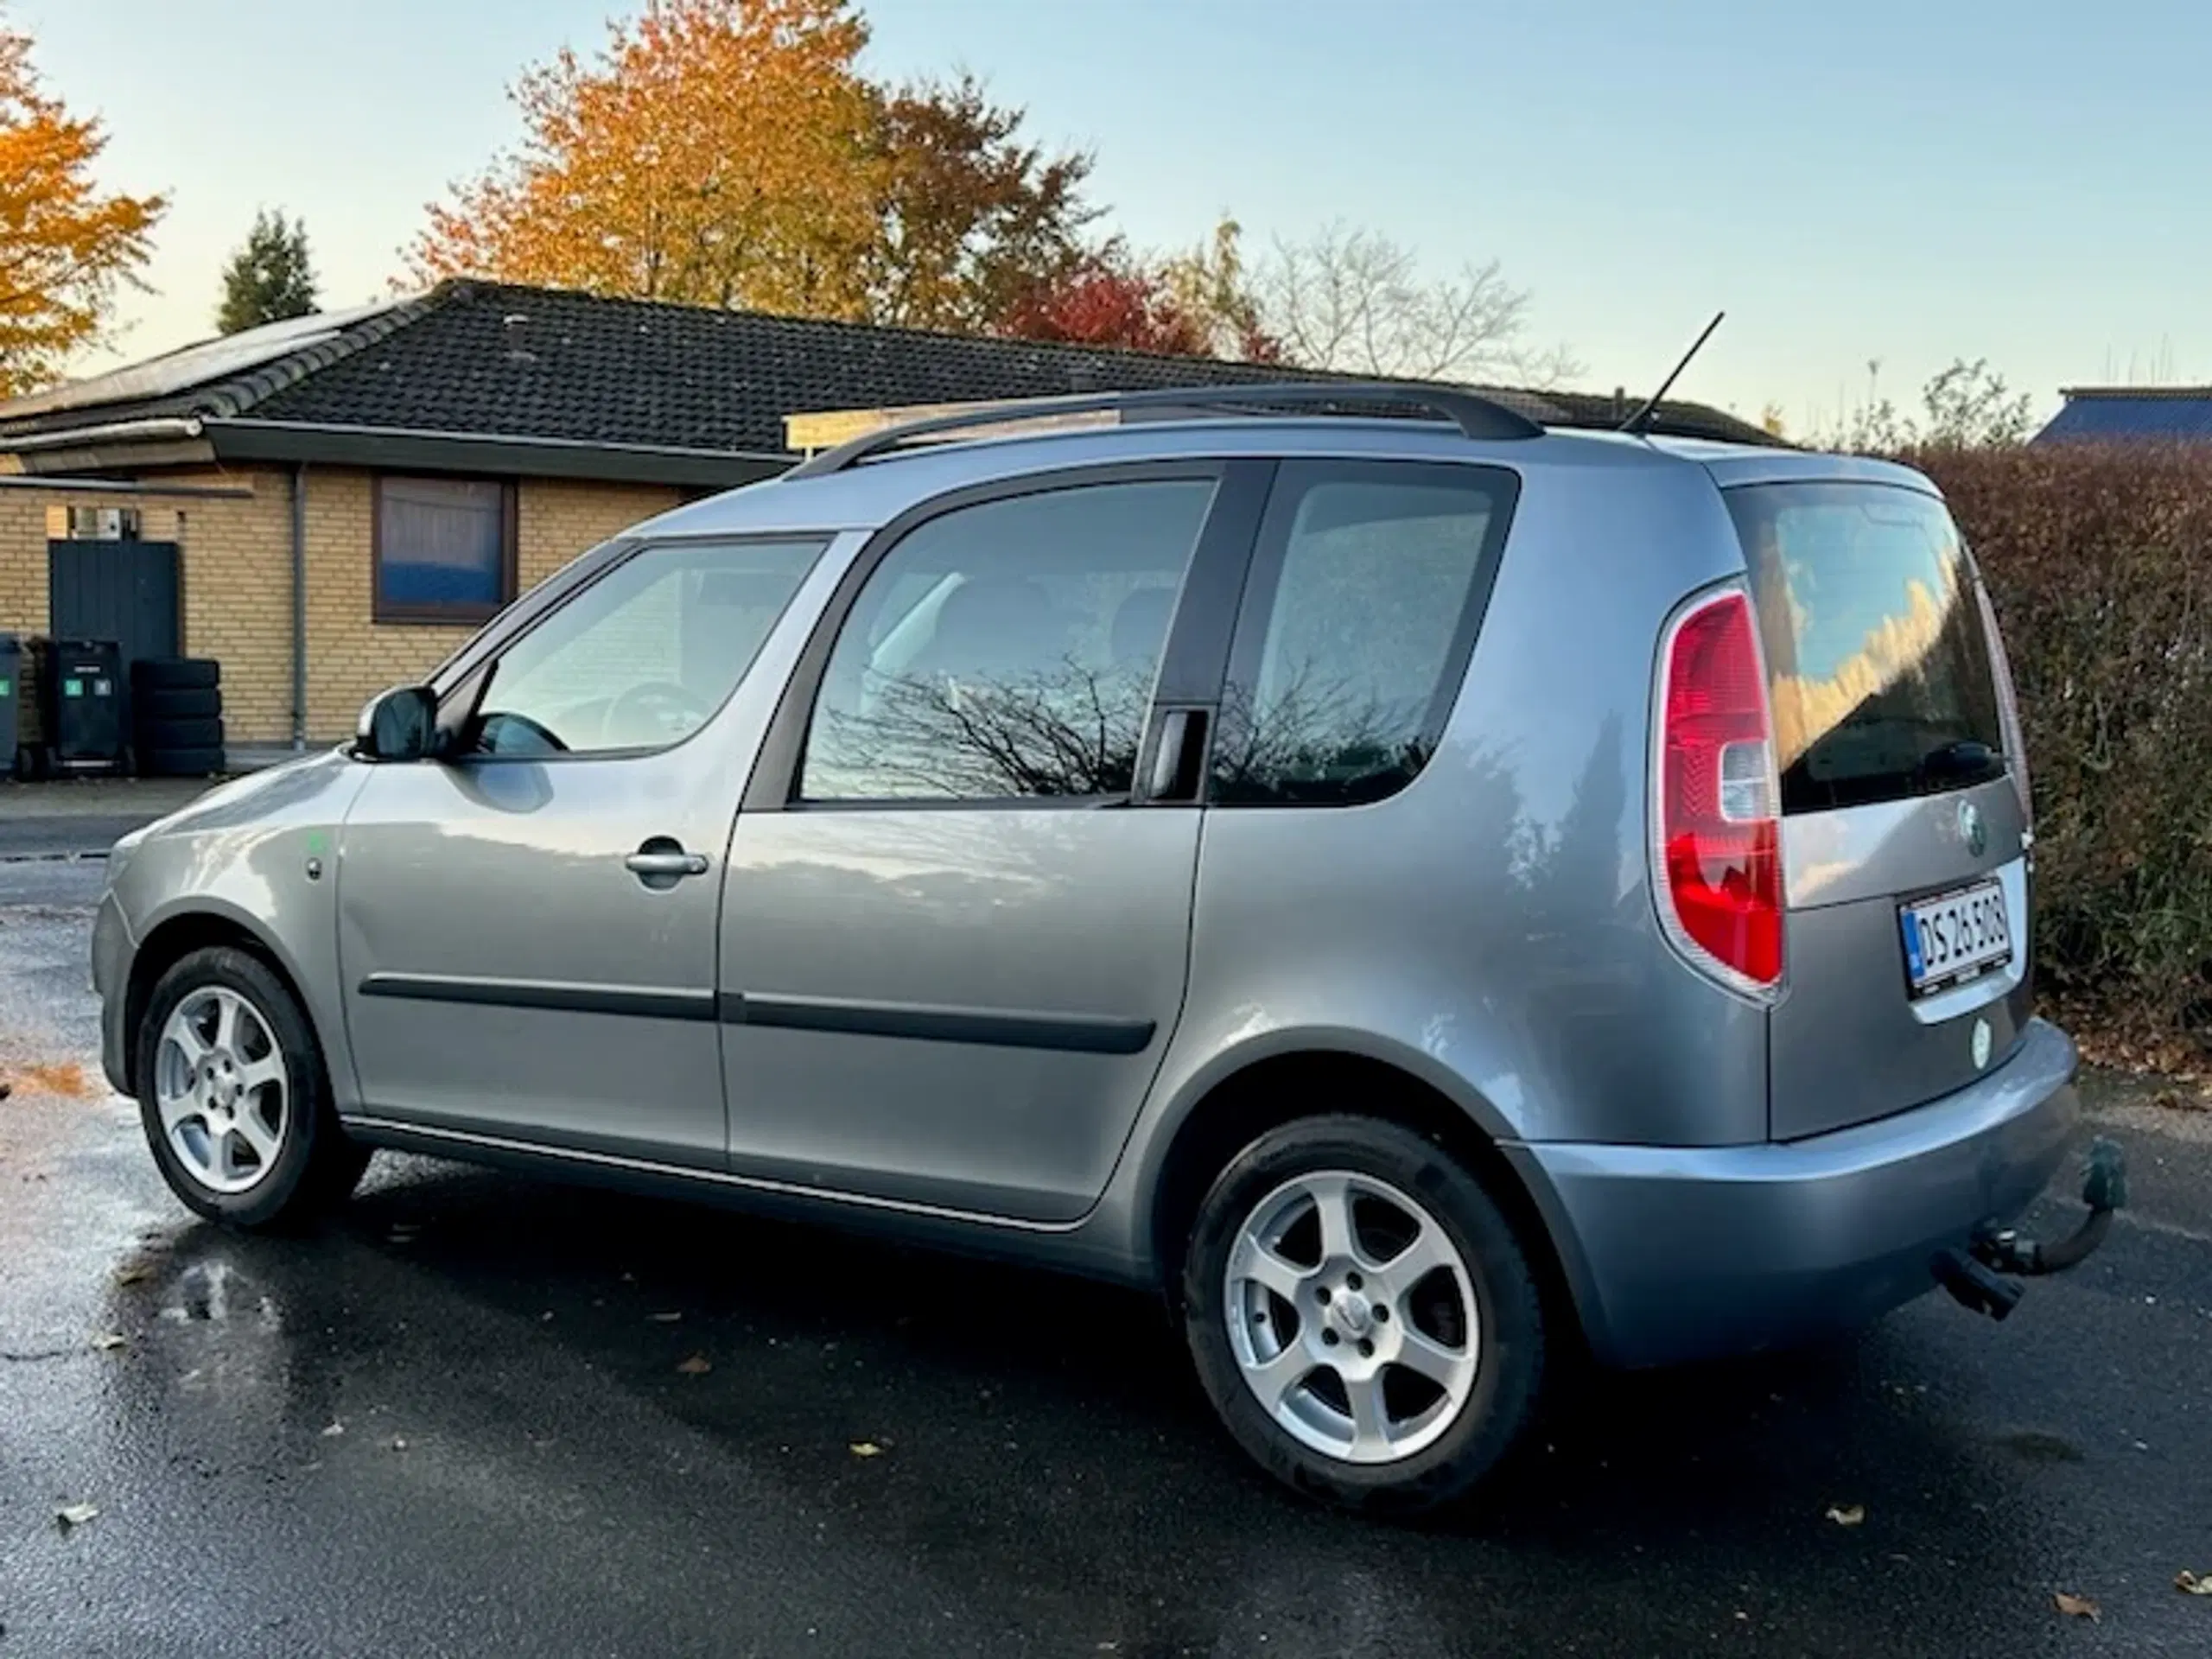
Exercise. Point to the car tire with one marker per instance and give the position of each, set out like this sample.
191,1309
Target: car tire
231,1147
159,704
205,733
1448,1411
175,674
179,763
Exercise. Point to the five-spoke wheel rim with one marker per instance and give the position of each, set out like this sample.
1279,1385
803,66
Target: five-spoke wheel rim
221,1088
1352,1317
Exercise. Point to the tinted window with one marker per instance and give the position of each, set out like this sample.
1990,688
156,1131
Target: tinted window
442,548
1876,658
642,657
1358,621
1007,649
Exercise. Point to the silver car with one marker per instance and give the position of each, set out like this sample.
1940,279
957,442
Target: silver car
1433,897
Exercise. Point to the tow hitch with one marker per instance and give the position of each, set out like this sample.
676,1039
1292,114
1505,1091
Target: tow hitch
1972,1276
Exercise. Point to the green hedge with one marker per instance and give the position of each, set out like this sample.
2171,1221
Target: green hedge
2100,561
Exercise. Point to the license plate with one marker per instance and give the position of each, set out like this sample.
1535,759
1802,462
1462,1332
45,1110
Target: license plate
1955,936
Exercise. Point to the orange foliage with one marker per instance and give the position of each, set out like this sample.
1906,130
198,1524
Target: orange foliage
64,248
716,152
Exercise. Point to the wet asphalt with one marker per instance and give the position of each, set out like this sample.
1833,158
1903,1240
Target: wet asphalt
480,1414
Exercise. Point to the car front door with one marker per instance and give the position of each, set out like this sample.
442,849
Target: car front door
527,927
957,917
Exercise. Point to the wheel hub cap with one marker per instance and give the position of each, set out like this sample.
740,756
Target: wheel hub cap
1352,1317
221,1090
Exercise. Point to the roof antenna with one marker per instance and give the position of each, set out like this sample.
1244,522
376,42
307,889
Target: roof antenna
1642,418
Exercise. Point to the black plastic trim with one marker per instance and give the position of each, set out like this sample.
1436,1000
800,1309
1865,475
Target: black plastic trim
1475,416
550,995
1074,1034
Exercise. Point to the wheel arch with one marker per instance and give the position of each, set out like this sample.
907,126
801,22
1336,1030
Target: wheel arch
1255,1094
204,926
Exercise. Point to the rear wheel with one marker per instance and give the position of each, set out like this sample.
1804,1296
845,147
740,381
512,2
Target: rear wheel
1362,1315
233,1098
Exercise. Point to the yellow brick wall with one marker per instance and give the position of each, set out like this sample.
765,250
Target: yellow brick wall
351,659
237,578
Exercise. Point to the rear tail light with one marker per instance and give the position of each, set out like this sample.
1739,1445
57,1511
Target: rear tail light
2008,706
1717,848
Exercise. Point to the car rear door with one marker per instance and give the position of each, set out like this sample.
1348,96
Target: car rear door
1904,826
956,925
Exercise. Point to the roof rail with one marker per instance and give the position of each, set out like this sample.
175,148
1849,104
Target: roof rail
1474,415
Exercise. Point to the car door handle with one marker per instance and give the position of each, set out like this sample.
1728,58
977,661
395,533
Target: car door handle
664,861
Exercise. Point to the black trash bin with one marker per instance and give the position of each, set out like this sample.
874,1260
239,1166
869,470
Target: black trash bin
13,761
84,705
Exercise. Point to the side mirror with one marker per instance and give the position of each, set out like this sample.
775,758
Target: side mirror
401,724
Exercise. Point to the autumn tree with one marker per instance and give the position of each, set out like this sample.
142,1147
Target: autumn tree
269,279
1354,300
1212,285
717,152
970,219
1110,299
64,249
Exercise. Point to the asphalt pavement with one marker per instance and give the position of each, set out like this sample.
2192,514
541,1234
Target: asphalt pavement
481,1414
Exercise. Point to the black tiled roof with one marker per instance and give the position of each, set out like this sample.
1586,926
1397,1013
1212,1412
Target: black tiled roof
496,359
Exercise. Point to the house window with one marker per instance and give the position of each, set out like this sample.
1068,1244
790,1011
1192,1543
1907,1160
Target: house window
444,549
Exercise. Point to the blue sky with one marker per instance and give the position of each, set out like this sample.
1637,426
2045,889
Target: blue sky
1908,182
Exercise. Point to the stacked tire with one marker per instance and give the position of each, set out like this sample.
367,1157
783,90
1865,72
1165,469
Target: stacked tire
176,715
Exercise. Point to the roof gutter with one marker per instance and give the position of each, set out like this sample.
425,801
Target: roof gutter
163,429
399,447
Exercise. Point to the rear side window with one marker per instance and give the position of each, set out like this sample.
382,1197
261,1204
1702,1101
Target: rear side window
1362,604
1007,650
1877,664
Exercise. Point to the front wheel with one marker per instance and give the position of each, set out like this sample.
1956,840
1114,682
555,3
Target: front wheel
233,1097
1363,1315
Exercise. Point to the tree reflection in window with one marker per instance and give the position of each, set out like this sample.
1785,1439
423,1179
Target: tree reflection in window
1007,650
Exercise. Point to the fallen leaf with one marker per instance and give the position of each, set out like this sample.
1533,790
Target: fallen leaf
2192,1584
334,1431
109,1343
664,1318
866,1449
75,1514
2077,1606
697,1365
137,1272
1849,1515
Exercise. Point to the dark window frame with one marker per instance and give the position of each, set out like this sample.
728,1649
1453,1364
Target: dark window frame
458,614
1293,479
1195,654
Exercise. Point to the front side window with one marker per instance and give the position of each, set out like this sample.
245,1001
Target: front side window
1358,622
642,657
443,549
1007,650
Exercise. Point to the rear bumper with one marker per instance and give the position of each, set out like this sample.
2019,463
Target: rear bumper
1684,1253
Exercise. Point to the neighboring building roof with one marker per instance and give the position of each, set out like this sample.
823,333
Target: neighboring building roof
542,379
2131,414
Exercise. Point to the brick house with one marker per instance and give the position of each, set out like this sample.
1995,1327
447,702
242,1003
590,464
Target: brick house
349,493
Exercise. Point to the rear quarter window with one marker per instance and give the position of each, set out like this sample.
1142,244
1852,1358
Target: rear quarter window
1877,666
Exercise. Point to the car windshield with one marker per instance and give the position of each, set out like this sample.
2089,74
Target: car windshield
1877,664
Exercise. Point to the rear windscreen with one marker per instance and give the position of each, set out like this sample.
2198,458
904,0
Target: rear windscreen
1876,659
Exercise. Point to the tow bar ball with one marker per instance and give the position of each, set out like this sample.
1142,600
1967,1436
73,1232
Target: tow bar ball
1972,1276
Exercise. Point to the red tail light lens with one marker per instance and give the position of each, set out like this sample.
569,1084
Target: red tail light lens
1719,853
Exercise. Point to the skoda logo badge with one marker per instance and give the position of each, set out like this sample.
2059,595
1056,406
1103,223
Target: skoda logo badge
1972,830
1981,1044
